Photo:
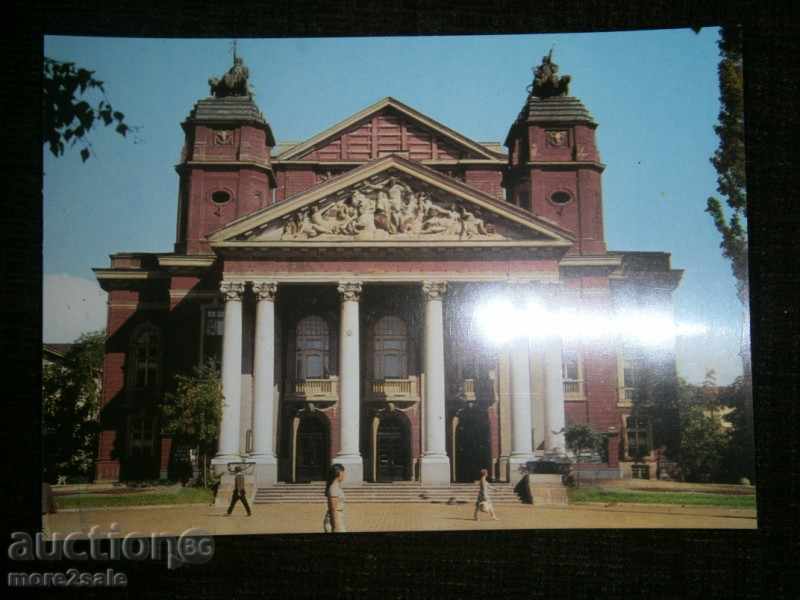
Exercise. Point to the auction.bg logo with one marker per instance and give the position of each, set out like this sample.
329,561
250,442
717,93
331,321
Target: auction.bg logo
193,546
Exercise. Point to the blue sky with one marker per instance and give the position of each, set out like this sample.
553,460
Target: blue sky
654,94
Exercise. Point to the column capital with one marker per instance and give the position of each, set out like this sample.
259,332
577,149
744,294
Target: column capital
434,290
231,290
350,290
265,290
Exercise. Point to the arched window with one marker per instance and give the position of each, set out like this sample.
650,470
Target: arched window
312,348
391,357
145,357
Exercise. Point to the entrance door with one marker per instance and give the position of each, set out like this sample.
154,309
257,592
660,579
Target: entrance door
312,450
392,451
472,446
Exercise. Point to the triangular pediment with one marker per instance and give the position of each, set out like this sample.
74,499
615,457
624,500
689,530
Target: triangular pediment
389,127
391,201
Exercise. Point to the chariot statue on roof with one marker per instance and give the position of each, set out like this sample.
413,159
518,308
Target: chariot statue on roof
546,81
232,83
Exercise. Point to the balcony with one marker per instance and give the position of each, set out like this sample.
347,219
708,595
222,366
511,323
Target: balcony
402,390
323,391
573,389
626,396
469,390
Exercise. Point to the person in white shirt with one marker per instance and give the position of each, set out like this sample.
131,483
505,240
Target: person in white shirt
334,517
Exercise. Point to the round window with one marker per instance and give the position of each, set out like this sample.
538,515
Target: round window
560,197
220,197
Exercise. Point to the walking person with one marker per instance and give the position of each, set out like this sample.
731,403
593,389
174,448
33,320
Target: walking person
239,492
334,517
484,501
48,505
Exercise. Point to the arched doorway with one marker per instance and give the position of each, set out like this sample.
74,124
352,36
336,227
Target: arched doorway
311,449
392,449
472,445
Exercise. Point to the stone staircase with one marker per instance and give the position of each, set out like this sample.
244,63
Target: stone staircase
396,492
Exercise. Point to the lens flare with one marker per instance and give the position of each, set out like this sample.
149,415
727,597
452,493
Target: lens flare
499,321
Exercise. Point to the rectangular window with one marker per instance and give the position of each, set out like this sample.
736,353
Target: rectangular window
140,436
213,328
569,365
638,437
632,369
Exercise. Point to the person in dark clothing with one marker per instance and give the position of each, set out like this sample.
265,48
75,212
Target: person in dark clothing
239,491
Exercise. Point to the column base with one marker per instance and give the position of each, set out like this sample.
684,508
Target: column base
354,469
220,462
265,470
516,465
435,470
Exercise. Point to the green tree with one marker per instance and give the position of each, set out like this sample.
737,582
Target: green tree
68,116
729,159
581,439
729,162
704,442
193,412
71,399
739,460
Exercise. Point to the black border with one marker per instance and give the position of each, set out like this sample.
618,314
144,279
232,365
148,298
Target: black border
547,564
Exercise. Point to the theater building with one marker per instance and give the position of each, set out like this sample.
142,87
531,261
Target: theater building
337,279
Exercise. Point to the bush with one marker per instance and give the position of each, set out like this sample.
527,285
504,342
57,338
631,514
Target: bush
704,444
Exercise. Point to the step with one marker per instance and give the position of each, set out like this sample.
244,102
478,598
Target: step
402,491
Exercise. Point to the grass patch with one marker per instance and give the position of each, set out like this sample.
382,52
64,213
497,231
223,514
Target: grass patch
187,495
595,494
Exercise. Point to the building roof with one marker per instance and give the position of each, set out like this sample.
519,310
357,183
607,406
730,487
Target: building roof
555,109
56,348
453,136
229,108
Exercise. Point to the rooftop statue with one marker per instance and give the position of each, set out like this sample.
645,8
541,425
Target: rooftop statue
232,83
546,81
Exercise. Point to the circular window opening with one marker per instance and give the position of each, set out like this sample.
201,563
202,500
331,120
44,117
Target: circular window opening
560,197
220,197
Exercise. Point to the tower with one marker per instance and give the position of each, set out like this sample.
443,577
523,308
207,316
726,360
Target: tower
554,168
225,168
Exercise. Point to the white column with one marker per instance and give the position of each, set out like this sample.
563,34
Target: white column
434,464
350,383
553,395
229,430
521,396
266,470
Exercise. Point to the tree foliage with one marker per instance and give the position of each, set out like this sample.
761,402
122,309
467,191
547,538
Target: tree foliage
581,439
68,116
704,443
729,159
192,413
71,399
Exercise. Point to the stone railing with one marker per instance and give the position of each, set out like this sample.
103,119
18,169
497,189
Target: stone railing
573,389
311,390
390,390
469,390
626,396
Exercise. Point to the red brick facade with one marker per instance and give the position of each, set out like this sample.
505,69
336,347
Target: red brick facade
229,171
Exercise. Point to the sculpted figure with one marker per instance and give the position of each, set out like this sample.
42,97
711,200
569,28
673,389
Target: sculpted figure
366,212
546,81
232,83
320,222
473,226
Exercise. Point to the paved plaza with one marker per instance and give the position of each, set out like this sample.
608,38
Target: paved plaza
307,518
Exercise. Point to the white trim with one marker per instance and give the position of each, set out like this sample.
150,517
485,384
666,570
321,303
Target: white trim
186,261
410,277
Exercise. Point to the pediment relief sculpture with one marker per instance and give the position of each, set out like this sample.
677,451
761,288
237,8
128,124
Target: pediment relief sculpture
387,209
